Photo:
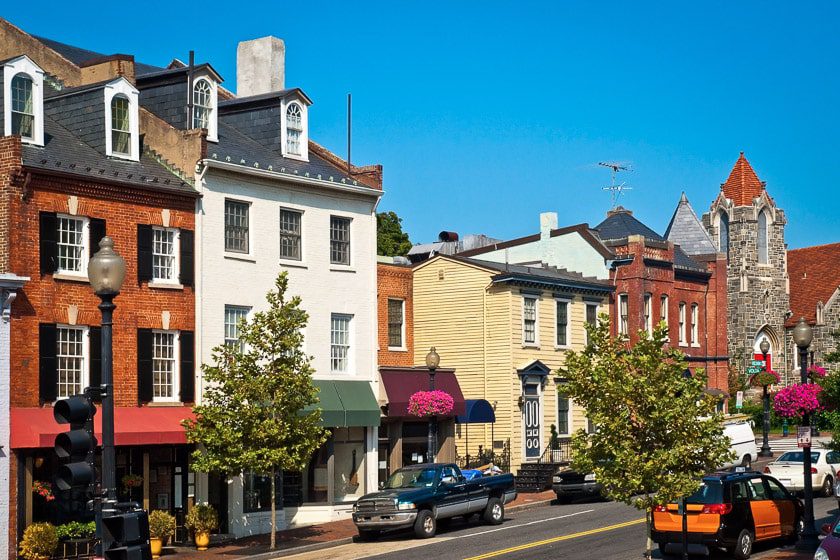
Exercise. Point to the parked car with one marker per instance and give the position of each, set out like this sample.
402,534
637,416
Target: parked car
420,495
742,444
730,511
830,546
824,465
569,484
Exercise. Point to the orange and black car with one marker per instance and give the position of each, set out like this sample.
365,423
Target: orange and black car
730,511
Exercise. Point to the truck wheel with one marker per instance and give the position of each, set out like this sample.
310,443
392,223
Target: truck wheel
494,513
743,546
369,535
425,525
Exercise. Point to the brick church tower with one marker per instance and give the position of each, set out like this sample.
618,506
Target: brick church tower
745,224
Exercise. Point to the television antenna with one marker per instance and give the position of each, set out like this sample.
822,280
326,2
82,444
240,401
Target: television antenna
616,189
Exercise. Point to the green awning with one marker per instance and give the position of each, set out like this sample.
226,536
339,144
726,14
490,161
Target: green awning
346,403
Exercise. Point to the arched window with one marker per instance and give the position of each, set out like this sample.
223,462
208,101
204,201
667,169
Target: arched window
763,257
294,128
120,126
202,104
723,233
23,109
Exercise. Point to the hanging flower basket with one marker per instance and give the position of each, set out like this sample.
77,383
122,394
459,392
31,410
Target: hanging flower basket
430,403
43,489
765,378
130,481
816,372
795,400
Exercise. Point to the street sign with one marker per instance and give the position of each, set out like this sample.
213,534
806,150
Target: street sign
803,436
739,400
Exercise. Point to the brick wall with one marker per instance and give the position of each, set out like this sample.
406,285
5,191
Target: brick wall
394,281
10,161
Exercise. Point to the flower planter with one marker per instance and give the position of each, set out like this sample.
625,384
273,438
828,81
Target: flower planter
202,540
156,545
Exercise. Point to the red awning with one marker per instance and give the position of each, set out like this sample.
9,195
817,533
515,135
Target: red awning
148,425
401,383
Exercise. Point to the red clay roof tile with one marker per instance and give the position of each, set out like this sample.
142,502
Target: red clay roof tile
743,185
814,277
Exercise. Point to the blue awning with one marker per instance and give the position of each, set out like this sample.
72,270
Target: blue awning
478,411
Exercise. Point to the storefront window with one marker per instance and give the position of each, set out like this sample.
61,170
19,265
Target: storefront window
256,491
316,477
349,464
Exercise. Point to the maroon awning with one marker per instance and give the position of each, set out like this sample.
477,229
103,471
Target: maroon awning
401,383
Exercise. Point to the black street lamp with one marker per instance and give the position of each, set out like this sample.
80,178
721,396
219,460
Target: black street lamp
432,362
106,272
809,539
764,346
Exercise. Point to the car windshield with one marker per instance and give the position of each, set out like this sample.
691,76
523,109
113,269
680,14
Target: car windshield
798,457
412,478
710,492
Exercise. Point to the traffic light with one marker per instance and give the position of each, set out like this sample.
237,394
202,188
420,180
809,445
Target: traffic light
128,536
78,445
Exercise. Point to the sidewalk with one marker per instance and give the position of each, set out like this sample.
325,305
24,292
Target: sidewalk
313,537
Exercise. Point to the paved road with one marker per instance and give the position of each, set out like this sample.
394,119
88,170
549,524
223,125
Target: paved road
580,530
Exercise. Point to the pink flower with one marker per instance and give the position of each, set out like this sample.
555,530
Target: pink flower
795,400
430,403
816,371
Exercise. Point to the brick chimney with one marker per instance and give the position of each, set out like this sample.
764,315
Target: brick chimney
260,66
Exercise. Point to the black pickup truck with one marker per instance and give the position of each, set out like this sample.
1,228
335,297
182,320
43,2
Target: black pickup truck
420,495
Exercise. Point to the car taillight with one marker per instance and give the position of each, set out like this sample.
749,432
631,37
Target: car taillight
660,508
813,470
720,509
766,470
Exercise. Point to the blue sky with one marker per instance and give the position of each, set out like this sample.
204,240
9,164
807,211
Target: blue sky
486,114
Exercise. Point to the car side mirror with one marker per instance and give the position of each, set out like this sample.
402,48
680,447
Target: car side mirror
825,529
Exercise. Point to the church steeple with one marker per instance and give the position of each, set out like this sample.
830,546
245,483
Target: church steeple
743,185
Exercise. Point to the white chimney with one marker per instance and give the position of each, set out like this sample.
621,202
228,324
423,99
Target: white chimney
548,222
260,66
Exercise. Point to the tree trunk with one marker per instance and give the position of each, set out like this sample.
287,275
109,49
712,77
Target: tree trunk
274,514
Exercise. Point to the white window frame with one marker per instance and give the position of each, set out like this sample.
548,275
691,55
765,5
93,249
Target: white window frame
84,378
648,313
623,314
232,252
663,309
402,347
695,319
348,358
349,221
682,318
123,87
586,315
176,261
213,115
304,134
569,414
536,342
233,307
298,261
176,370
568,304
82,273
24,65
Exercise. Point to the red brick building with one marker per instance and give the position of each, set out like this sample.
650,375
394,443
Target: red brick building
395,313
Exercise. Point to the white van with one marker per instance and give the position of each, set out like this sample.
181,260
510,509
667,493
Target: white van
742,442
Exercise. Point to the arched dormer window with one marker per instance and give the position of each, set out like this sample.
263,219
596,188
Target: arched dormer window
723,233
23,110
23,100
122,136
294,129
120,126
763,253
201,104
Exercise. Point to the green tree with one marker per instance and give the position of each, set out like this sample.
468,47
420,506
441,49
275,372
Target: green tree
391,241
657,431
252,413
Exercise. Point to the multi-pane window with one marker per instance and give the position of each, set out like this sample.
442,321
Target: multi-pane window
72,255
395,323
120,129
290,235
164,369
202,104
164,255
648,314
339,240
562,323
70,355
682,323
294,128
563,409
236,226
622,314
591,317
23,110
694,320
234,315
663,310
529,320
340,343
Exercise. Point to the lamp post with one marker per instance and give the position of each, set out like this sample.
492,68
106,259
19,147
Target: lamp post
808,540
106,272
432,362
764,346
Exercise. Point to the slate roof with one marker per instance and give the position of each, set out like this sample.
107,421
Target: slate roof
684,261
814,277
686,230
548,274
620,223
743,185
79,56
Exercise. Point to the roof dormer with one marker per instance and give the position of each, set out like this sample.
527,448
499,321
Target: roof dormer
122,114
23,100
294,128
205,104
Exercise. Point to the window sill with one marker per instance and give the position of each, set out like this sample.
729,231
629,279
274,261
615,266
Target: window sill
165,403
70,277
683,345
530,345
397,349
339,268
292,264
244,257
561,347
166,285
695,345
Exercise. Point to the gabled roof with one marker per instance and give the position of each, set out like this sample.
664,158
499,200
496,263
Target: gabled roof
743,185
582,229
686,230
620,223
814,277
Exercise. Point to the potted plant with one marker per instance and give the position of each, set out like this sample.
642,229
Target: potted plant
39,541
202,519
130,481
765,378
43,489
161,526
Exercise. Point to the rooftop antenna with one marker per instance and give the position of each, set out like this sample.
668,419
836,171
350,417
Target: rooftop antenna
616,189
349,129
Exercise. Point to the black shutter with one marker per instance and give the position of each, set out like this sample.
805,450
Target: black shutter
145,389
95,353
97,232
47,362
187,366
187,257
144,253
49,242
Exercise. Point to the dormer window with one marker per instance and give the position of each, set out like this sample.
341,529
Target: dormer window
294,129
204,98
120,129
122,136
23,95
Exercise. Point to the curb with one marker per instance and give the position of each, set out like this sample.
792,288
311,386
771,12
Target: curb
279,553
531,505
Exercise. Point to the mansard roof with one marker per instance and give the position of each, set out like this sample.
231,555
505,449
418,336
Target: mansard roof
743,185
686,230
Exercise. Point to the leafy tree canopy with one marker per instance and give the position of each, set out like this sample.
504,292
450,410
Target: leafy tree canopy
391,241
